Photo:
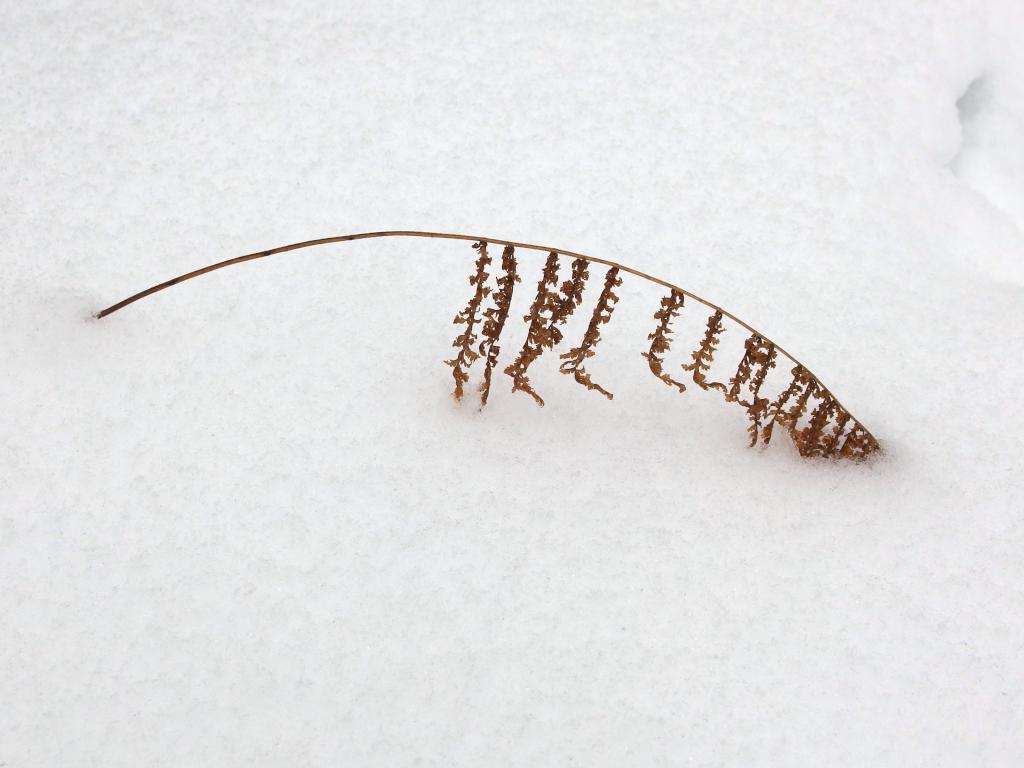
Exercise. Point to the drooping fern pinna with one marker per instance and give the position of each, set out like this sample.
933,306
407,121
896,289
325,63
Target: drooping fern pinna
805,409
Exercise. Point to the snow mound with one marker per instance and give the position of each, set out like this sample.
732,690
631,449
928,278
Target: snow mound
242,522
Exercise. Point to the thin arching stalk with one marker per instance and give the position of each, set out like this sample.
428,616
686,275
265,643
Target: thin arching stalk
820,388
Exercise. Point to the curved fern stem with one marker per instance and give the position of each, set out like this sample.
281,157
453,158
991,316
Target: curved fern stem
854,442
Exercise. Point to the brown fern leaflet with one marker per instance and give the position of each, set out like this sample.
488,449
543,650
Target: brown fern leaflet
859,444
548,311
758,359
777,409
569,298
660,341
818,424
602,314
825,434
705,353
468,317
495,317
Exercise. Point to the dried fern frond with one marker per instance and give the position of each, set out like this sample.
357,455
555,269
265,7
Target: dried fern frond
758,359
705,353
602,314
549,310
859,444
468,317
831,446
777,410
829,431
569,298
826,425
799,408
545,304
812,440
495,317
660,341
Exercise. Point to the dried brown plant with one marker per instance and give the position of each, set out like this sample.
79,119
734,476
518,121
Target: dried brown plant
799,408
469,317
776,411
828,431
825,426
832,442
548,311
660,341
812,439
570,296
575,358
758,359
705,353
495,317
541,314
859,444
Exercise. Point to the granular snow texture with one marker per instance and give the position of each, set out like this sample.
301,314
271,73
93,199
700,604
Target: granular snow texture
243,523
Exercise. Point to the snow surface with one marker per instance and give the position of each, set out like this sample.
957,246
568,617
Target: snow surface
242,522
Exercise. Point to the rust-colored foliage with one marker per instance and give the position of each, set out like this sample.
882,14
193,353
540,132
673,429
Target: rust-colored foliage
831,443
602,314
705,353
495,317
799,408
799,391
825,426
813,439
815,420
758,358
469,317
776,410
569,298
660,341
859,444
549,310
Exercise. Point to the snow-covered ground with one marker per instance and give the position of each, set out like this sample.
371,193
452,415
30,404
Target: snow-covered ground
243,523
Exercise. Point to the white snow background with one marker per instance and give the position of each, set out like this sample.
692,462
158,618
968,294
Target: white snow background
243,523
